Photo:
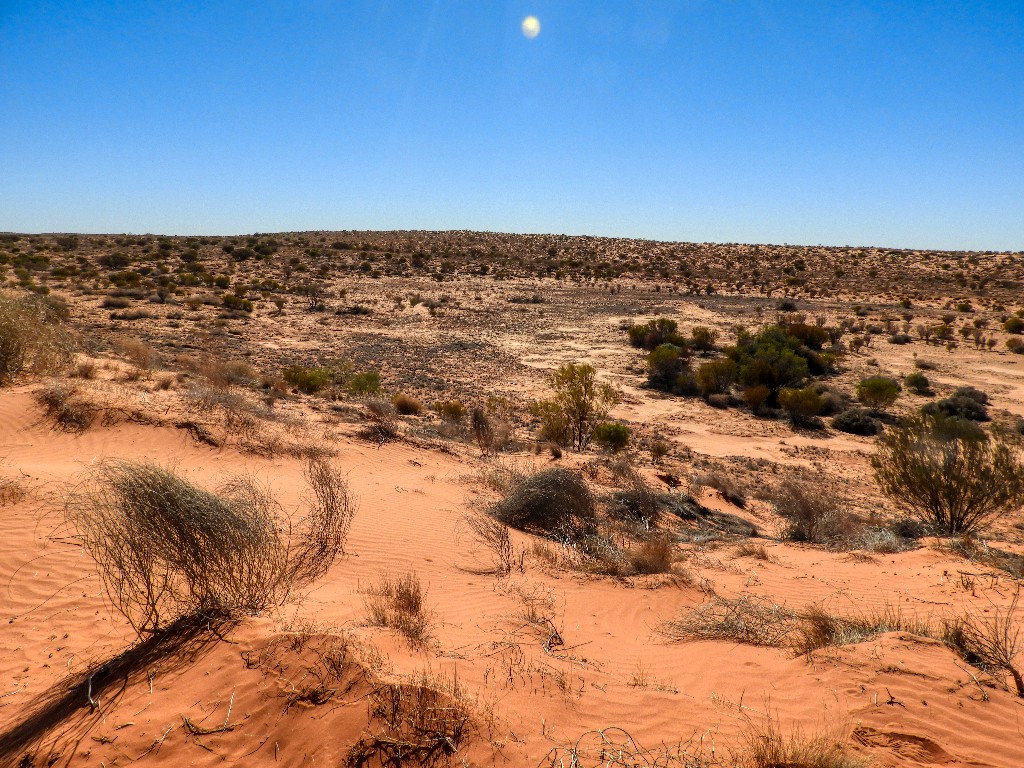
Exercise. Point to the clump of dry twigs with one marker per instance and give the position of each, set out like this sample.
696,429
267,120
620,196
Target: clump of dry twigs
991,643
555,501
166,548
425,722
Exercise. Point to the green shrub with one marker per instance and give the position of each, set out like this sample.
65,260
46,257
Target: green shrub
1015,345
918,383
665,364
947,477
1014,325
716,376
231,301
803,405
450,410
307,380
365,383
580,403
612,436
703,339
878,391
654,333
958,406
772,359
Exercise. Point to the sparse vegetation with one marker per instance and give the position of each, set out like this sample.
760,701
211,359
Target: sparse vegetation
955,480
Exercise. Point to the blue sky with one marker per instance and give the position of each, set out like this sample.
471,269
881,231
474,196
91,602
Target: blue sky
886,123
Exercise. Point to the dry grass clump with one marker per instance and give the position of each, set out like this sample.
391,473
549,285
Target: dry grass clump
978,551
636,500
138,353
166,548
399,604
991,643
32,340
614,747
730,489
747,619
64,405
655,555
406,405
556,502
767,746
424,722
812,515
752,620
755,551
818,628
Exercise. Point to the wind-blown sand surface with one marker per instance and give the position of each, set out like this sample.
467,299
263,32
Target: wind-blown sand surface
247,696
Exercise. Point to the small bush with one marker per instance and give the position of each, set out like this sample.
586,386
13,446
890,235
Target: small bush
137,352
1014,325
811,515
450,410
654,555
878,392
614,437
918,383
653,334
307,380
167,549
992,643
554,501
406,405
767,746
959,407
973,393
364,383
580,403
1015,345
946,477
857,421
755,397
802,405
717,376
32,339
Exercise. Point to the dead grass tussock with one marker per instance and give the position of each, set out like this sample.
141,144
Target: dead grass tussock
614,747
33,341
426,720
399,603
66,406
768,745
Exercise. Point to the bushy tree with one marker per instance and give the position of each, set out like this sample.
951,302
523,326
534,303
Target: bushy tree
956,479
802,404
580,401
716,376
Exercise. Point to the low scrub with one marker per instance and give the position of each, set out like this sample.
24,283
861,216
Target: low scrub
65,406
168,549
33,340
555,502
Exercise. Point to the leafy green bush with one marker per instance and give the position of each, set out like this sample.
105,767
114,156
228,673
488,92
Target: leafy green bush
612,436
802,404
580,403
958,406
703,339
1014,325
716,376
364,383
450,410
231,301
653,334
308,380
878,391
665,365
955,482
772,359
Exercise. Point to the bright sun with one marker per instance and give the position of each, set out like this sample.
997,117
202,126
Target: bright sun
531,27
